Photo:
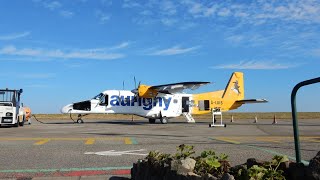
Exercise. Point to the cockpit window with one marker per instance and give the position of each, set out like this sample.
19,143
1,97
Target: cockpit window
98,96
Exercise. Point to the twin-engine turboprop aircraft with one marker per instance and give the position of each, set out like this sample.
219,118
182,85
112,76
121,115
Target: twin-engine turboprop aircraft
164,101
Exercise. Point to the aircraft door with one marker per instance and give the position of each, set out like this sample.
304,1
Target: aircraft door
185,104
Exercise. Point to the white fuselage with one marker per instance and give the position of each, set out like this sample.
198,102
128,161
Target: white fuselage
125,102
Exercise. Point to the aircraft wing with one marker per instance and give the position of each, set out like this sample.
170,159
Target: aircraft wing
249,101
178,87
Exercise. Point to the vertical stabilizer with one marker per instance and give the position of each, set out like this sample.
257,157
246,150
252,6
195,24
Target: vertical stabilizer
235,87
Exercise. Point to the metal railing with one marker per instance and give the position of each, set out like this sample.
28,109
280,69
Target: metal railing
294,114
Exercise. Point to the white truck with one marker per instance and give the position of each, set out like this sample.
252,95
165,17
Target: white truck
11,112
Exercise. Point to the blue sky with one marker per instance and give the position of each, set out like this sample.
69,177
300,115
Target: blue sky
66,51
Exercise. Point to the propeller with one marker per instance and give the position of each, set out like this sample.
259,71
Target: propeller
136,90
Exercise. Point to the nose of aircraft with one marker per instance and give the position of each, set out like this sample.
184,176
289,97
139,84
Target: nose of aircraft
67,108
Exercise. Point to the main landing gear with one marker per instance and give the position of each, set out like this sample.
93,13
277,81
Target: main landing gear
163,120
79,120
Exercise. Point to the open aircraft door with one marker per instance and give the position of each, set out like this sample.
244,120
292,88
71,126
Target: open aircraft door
185,104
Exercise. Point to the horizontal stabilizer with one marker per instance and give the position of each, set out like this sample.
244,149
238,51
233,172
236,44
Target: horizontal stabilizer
247,101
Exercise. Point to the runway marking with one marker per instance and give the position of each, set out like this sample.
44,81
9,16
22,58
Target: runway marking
90,141
43,141
311,139
227,140
87,141
118,153
127,141
64,169
270,139
265,139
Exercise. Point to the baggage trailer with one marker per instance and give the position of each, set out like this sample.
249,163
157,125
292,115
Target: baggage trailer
11,112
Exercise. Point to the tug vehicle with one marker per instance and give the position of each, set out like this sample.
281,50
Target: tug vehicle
11,112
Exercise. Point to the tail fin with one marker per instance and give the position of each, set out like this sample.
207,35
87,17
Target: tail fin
235,87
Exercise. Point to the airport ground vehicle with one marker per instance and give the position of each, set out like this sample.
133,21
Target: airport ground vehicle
11,111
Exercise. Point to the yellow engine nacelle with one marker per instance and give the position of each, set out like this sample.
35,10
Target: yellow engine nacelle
146,92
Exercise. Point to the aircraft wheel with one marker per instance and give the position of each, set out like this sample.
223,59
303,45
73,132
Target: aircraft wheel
164,120
152,121
79,121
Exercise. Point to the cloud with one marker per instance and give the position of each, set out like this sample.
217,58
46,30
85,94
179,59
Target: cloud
130,4
168,8
256,65
116,47
235,38
60,54
103,18
168,21
53,5
120,46
15,36
174,51
66,14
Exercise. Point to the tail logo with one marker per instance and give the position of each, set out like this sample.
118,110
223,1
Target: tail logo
236,87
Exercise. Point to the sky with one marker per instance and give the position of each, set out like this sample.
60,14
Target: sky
62,51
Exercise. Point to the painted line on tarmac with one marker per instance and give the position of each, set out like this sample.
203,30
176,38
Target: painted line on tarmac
90,141
66,169
130,140
87,141
43,141
259,148
227,140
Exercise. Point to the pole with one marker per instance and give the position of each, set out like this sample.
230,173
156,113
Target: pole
294,115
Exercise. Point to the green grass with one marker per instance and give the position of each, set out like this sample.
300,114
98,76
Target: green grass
227,115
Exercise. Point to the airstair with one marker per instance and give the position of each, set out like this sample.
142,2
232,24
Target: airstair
189,118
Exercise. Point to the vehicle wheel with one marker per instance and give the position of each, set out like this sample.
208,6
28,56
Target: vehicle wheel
22,123
152,121
164,120
79,121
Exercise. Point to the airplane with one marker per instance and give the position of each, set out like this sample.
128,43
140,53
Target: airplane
164,102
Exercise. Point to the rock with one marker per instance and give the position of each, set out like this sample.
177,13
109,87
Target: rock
253,161
183,166
193,176
227,176
313,170
296,171
209,177
188,164
240,171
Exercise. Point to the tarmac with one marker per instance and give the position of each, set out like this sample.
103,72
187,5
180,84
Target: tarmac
106,149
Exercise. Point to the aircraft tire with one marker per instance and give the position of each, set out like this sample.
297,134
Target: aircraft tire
164,120
79,121
152,121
